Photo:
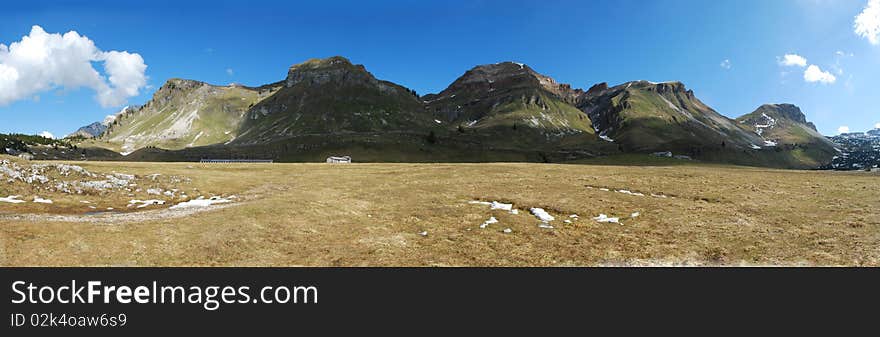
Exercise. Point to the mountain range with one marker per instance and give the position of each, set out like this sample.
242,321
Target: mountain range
495,112
857,151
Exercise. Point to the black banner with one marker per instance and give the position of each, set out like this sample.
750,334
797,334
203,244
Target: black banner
336,300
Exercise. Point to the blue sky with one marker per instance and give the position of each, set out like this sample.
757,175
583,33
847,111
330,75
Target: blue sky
425,45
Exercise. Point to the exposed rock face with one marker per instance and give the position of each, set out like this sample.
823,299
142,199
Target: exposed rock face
784,111
335,70
597,88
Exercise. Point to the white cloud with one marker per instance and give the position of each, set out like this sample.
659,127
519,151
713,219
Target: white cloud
42,62
109,120
47,134
126,75
726,64
816,74
867,24
877,126
793,60
843,129
230,72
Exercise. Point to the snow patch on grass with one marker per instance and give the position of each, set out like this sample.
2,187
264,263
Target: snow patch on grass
605,218
541,214
12,199
202,202
144,203
489,222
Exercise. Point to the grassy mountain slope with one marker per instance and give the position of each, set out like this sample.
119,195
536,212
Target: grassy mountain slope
332,96
496,112
184,113
510,105
786,128
644,116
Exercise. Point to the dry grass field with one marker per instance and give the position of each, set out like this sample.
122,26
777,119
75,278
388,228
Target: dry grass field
422,215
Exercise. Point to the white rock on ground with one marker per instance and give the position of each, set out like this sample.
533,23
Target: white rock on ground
507,231
635,215
42,201
423,233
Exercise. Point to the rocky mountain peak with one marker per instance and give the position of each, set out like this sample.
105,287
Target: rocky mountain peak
334,70
509,75
660,87
494,73
180,84
786,111
597,88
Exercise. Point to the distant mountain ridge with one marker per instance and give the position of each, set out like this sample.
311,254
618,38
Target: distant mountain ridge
96,129
856,151
505,111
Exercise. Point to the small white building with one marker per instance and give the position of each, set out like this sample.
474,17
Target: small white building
339,160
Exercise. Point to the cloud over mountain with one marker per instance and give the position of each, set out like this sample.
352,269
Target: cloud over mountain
44,61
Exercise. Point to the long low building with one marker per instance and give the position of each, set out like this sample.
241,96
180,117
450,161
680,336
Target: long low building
339,160
236,161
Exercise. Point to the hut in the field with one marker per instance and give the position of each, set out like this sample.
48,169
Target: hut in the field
339,160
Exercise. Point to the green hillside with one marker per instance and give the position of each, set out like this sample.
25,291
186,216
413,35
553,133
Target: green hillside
184,113
331,96
644,116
